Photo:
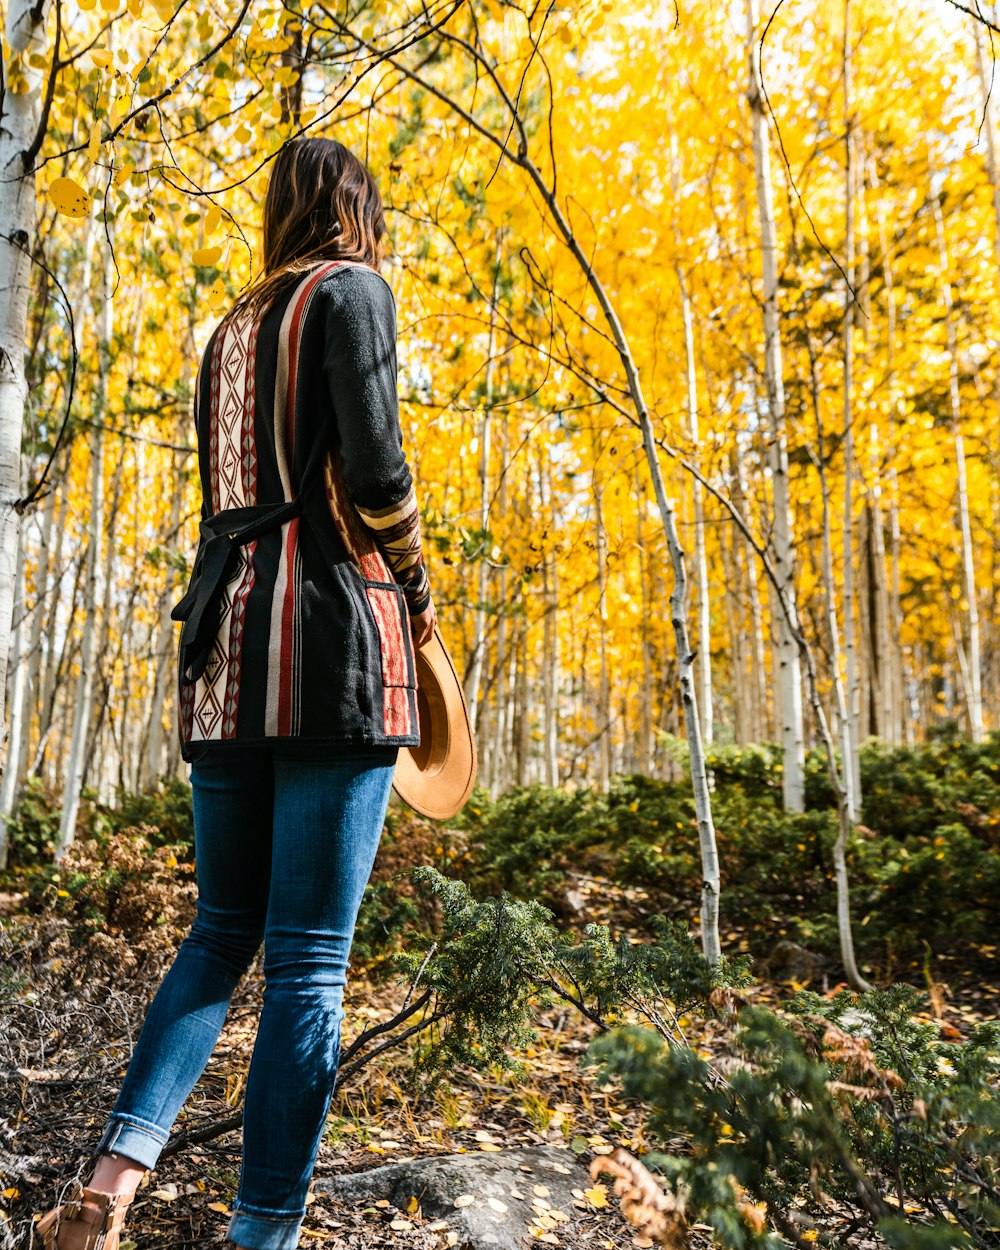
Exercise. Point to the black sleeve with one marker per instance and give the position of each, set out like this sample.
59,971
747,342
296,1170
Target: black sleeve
360,367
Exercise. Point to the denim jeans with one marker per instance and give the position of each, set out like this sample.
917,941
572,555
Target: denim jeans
283,850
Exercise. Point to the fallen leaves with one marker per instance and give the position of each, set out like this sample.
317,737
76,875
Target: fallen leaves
657,1214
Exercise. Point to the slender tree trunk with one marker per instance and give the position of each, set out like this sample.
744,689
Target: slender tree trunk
975,698
604,688
993,168
45,575
830,597
646,690
51,668
852,710
475,668
522,737
729,553
82,703
151,759
790,676
550,640
102,682
706,702
897,720
17,675
758,652
24,78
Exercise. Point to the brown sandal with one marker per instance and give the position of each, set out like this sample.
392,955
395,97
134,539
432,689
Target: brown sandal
87,1220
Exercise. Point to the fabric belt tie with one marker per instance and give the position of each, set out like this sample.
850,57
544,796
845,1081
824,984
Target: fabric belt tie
219,537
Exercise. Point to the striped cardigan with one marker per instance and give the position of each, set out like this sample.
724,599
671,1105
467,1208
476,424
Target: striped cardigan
310,636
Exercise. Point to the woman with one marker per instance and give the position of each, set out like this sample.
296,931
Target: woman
296,689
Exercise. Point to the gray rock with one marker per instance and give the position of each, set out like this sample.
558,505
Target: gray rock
508,1177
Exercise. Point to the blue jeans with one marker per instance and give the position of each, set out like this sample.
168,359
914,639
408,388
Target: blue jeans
283,850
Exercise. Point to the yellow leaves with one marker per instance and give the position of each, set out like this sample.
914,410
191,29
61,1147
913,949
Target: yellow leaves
206,255
69,197
217,295
165,9
135,8
94,144
213,216
242,133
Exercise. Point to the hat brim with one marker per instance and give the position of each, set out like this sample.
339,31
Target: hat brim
436,778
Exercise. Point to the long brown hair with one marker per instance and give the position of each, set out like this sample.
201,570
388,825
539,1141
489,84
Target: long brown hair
322,203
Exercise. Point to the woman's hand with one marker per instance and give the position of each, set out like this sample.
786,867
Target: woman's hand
422,625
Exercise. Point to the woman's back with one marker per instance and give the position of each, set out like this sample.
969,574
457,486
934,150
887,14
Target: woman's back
312,639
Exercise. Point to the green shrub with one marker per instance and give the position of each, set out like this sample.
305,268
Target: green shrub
525,841
165,811
33,826
116,882
848,1110
487,967
385,916
932,887
908,792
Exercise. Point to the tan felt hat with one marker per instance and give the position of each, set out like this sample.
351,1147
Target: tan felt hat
437,777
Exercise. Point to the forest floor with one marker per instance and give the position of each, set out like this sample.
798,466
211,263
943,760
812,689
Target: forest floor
63,1056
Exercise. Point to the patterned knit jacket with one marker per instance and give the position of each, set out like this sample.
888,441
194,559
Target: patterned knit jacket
306,627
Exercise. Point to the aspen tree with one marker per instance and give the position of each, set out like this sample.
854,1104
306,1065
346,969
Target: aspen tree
851,710
970,662
474,668
24,80
151,757
44,575
76,762
17,672
790,675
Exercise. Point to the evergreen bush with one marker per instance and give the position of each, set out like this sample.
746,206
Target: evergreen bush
841,1113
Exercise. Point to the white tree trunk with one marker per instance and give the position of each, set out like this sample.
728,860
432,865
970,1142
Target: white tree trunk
38,613
604,688
18,700
88,652
50,669
151,761
550,637
789,677
705,700
974,700
475,670
24,81
850,713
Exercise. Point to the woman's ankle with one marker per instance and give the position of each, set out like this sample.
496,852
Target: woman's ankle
116,1174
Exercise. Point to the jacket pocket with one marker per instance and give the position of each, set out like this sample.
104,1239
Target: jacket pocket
392,620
